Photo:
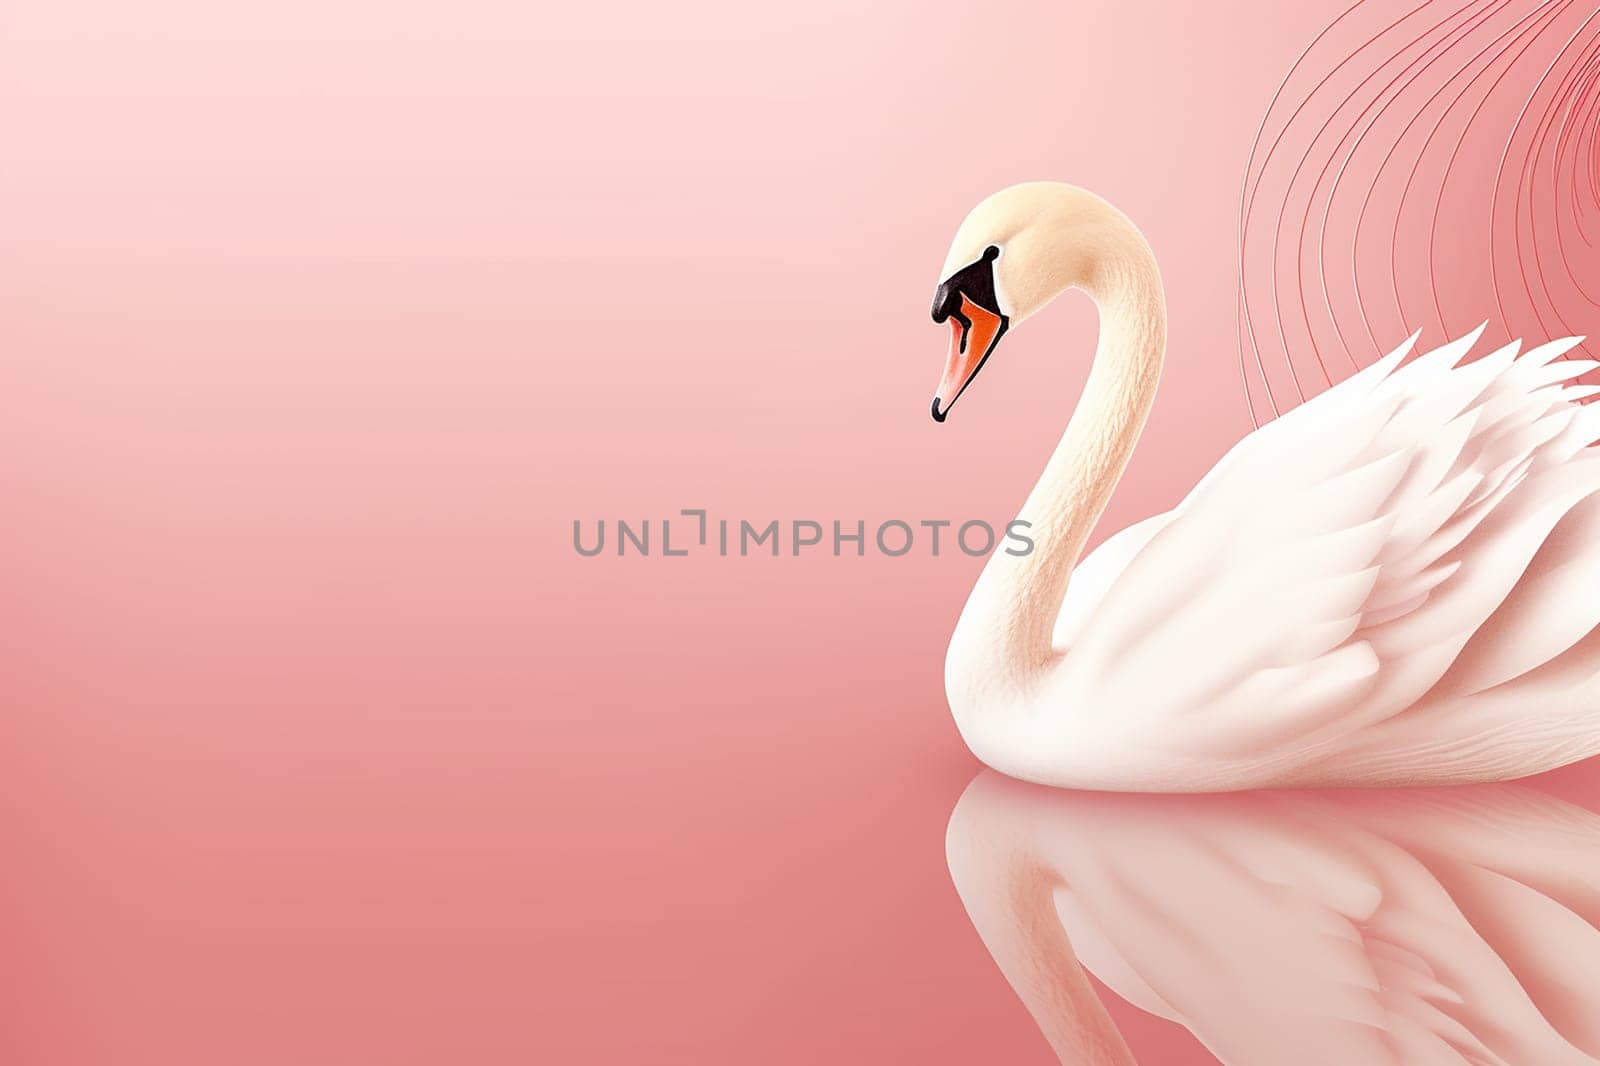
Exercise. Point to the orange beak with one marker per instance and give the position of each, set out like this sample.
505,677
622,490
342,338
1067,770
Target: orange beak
974,331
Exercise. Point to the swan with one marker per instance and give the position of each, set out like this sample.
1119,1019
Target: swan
1435,927
1397,582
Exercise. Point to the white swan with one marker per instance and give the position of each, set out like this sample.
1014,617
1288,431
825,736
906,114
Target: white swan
1398,582
1388,928
1428,927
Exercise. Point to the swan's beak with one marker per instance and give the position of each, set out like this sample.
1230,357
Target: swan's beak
967,300
974,332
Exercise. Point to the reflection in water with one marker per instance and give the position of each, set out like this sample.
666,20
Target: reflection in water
1385,928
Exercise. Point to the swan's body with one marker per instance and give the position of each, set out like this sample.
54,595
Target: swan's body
1396,583
1385,928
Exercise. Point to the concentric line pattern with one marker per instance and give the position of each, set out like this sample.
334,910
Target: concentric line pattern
1422,166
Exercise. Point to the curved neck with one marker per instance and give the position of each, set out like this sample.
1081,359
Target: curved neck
1009,892
1038,961
1004,634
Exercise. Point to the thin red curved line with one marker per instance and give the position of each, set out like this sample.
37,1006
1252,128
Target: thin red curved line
1579,120
1555,122
1277,230
1530,171
1247,193
1530,174
1422,153
1588,100
1516,224
1328,201
1546,9
1366,199
1571,134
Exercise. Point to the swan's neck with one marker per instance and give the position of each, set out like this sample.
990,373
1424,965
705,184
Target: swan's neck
1038,961
1003,641
1010,894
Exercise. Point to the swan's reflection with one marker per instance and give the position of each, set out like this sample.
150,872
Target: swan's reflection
1393,928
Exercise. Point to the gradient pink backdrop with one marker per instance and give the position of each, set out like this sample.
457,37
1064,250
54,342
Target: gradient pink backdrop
319,325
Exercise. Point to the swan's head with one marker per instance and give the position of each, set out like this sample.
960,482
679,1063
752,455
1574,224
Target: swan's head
1016,251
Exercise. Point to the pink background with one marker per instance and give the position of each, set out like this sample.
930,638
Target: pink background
319,325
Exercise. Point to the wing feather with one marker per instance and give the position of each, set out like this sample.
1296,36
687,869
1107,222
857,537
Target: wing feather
1335,563
1446,928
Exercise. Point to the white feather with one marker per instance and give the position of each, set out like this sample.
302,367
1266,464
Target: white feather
1453,927
1355,548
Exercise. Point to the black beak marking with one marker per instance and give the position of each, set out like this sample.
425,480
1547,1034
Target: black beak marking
975,281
